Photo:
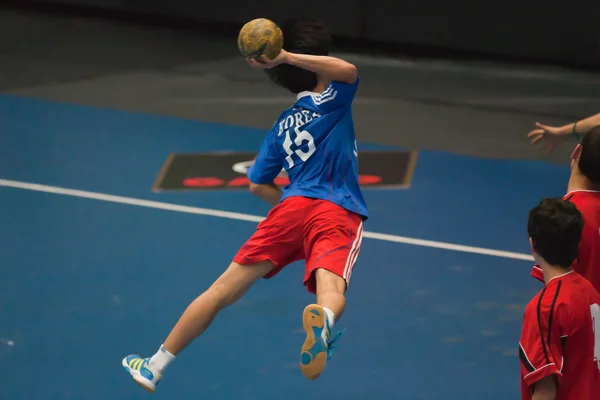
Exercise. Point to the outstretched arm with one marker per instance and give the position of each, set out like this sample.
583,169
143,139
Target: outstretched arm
552,136
581,126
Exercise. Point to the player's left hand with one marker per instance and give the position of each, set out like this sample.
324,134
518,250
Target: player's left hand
264,62
549,136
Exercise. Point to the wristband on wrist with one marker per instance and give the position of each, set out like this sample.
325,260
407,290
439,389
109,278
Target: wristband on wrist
575,131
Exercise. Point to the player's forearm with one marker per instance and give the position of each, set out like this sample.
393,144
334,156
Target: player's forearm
270,193
583,125
333,68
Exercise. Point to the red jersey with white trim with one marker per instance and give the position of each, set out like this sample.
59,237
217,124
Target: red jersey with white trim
588,260
561,337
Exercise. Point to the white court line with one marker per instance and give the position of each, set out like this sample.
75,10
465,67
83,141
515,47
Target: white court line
250,218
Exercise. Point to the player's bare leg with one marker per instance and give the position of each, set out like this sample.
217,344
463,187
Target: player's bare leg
226,290
318,320
330,291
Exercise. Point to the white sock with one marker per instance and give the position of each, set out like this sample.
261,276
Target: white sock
161,359
330,317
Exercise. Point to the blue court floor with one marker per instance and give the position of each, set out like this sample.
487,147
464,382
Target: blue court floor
85,282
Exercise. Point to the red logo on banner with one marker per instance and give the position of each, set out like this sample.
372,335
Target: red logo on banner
368,179
203,182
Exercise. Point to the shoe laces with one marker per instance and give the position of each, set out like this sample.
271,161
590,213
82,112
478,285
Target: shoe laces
330,345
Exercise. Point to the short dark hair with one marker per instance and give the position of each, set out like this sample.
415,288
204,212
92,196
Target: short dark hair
589,161
302,36
555,227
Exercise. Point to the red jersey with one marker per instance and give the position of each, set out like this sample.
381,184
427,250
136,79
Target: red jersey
561,337
588,260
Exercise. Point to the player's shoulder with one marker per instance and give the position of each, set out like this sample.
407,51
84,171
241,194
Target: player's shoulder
556,293
584,199
567,286
336,85
575,284
337,88
334,93
572,292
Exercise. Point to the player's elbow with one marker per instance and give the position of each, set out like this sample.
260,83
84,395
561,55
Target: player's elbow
348,73
256,189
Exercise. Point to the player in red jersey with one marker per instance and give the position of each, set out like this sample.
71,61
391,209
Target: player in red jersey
583,191
560,341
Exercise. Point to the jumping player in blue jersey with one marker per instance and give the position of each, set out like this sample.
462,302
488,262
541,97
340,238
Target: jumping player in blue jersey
318,217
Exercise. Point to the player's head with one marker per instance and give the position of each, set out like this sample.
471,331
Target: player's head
585,159
554,229
303,36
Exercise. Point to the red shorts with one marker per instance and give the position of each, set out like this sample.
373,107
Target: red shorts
320,232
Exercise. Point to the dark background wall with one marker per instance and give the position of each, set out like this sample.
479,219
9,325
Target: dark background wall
551,31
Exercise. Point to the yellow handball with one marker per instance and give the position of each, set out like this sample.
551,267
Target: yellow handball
259,37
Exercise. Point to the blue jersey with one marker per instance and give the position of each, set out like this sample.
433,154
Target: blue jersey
314,142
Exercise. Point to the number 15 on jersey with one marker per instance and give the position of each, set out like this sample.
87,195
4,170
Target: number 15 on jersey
294,147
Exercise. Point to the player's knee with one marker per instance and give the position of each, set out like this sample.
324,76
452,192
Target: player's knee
235,281
327,281
223,294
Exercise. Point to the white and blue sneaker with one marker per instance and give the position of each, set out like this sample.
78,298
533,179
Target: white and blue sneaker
141,372
317,347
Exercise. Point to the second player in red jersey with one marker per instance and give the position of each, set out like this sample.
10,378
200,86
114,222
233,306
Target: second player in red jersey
560,340
584,192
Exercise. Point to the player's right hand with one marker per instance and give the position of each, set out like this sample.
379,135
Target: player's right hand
263,62
549,136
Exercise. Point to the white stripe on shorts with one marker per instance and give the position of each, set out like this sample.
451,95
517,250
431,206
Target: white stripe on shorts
352,256
356,253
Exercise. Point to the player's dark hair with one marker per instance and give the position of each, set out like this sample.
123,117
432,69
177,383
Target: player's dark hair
589,161
302,36
555,227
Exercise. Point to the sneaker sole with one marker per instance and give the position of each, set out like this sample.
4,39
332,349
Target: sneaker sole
135,374
312,365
